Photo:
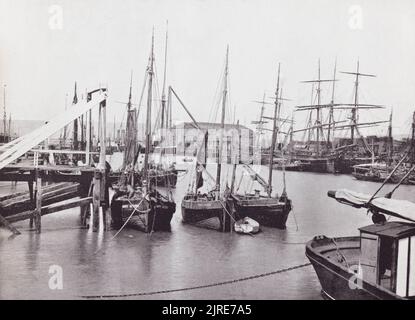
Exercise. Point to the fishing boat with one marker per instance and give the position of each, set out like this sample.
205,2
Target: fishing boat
162,172
213,209
268,209
137,202
375,265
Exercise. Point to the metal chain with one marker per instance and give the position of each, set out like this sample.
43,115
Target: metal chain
149,293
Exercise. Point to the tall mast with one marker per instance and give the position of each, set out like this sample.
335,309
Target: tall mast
274,133
318,109
10,126
356,105
4,114
356,101
129,105
65,127
331,115
390,138
163,96
75,125
148,117
222,123
413,140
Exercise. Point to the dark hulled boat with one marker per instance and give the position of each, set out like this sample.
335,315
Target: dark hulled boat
214,209
206,211
377,264
137,202
147,213
268,209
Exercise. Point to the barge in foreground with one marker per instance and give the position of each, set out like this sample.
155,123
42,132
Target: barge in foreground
376,265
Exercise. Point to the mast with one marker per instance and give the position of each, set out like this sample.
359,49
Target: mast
318,121
331,112
10,126
413,140
4,115
356,105
236,159
163,96
354,110
274,134
390,138
222,124
65,128
75,124
148,116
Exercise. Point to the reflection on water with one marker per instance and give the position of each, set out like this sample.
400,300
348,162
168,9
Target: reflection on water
188,256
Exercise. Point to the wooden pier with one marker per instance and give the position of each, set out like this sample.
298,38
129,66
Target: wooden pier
53,188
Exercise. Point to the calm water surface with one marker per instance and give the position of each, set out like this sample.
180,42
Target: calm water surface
133,262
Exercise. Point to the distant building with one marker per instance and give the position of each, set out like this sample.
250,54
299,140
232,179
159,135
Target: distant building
186,139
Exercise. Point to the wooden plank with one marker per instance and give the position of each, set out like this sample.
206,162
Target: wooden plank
13,152
8,225
51,209
54,151
63,168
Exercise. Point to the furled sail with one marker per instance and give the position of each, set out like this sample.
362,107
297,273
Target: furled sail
130,138
394,207
201,162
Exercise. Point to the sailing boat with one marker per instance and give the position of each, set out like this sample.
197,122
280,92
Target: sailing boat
269,210
211,210
384,171
137,202
162,173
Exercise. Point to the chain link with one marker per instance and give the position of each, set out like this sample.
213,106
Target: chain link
149,293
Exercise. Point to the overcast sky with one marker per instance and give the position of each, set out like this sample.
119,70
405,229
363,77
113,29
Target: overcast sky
100,41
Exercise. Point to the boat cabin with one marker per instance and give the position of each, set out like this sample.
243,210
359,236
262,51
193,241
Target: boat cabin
388,256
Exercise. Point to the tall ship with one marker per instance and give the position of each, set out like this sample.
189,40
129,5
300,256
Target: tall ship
267,209
137,201
320,152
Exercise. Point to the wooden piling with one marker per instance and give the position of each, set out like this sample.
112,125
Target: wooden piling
96,200
84,192
30,183
38,211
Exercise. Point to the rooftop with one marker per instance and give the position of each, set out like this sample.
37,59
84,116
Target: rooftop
396,230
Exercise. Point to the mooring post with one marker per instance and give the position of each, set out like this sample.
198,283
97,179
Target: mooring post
38,210
84,192
96,199
106,216
30,183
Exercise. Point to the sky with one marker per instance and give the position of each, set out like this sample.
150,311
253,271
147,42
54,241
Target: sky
47,45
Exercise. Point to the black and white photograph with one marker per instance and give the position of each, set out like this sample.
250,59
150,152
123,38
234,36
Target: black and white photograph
202,150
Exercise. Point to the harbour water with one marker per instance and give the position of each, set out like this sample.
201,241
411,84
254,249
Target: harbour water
134,262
